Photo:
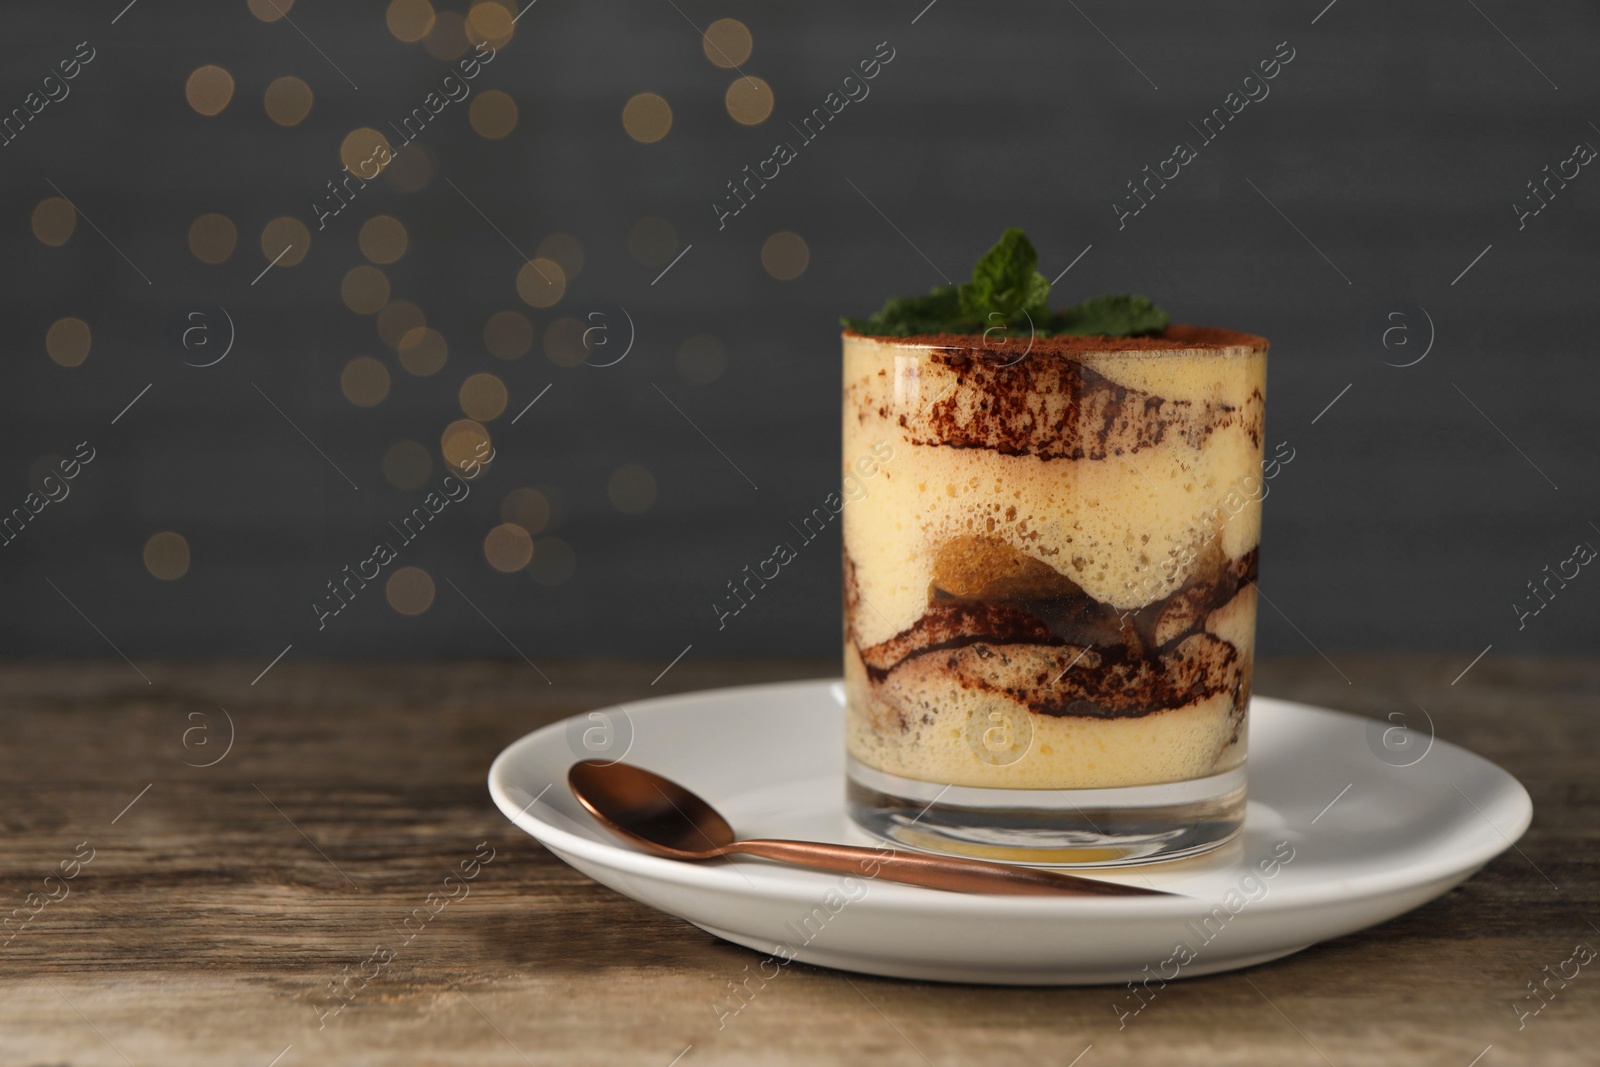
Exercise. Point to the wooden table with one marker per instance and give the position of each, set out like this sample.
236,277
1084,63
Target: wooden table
219,904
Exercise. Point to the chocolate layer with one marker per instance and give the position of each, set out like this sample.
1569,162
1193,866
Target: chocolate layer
1031,633
1060,408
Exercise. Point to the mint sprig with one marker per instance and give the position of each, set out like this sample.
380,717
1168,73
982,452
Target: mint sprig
1005,285
1007,293
1112,316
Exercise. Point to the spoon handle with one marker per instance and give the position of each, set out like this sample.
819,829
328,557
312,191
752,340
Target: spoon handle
951,873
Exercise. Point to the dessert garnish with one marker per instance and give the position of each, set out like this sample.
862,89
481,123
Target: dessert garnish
1008,295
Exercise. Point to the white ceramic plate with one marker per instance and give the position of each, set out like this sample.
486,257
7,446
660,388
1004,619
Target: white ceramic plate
1351,822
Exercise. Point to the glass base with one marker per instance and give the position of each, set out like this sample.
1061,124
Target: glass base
1050,827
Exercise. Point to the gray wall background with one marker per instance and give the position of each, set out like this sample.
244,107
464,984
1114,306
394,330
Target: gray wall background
1396,142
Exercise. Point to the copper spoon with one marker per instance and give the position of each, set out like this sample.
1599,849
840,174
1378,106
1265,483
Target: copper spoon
663,817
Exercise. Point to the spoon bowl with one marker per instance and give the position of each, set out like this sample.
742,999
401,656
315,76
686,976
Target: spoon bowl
649,809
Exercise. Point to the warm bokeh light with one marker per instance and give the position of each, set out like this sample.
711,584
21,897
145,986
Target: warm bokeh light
632,489
491,22
563,342
541,282
398,318
67,341
423,351
209,89
286,237
464,442
701,359
383,239
54,219
526,507
366,152
727,43
270,10
749,101
411,169
553,561
647,117
365,290
410,591
409,20
288,101
447,40
652,241
407,464
508,335
166,556
364,382
483,397
565,250
493,114
508,548
785,256
212,237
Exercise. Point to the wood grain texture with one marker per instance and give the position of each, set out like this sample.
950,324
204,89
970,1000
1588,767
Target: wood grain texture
218,907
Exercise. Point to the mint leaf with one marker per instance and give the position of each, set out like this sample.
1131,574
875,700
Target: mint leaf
1111,316
1005,282
1007,291
907,316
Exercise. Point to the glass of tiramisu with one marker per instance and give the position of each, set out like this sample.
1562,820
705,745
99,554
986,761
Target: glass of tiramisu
1049,578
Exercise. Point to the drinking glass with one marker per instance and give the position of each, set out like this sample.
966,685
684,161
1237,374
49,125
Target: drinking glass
1050,554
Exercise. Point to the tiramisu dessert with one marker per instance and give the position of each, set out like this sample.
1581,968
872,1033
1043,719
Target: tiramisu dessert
1049,587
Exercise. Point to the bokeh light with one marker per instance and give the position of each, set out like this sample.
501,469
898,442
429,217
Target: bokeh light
493,114
632,489
411,169
508,335
701,359
483,397
166,556
448,39
398,318
423,351
409,20
527,508
383,239
365,290
508,548
749,101
464,442
785,256
565,250
407,465
541,282
727,43
270,10
553,561
563,342
54,219
364,382
288,101
409,590
287,237
647,117
209,89
212,237
366,152
491,22
67,341
653,241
